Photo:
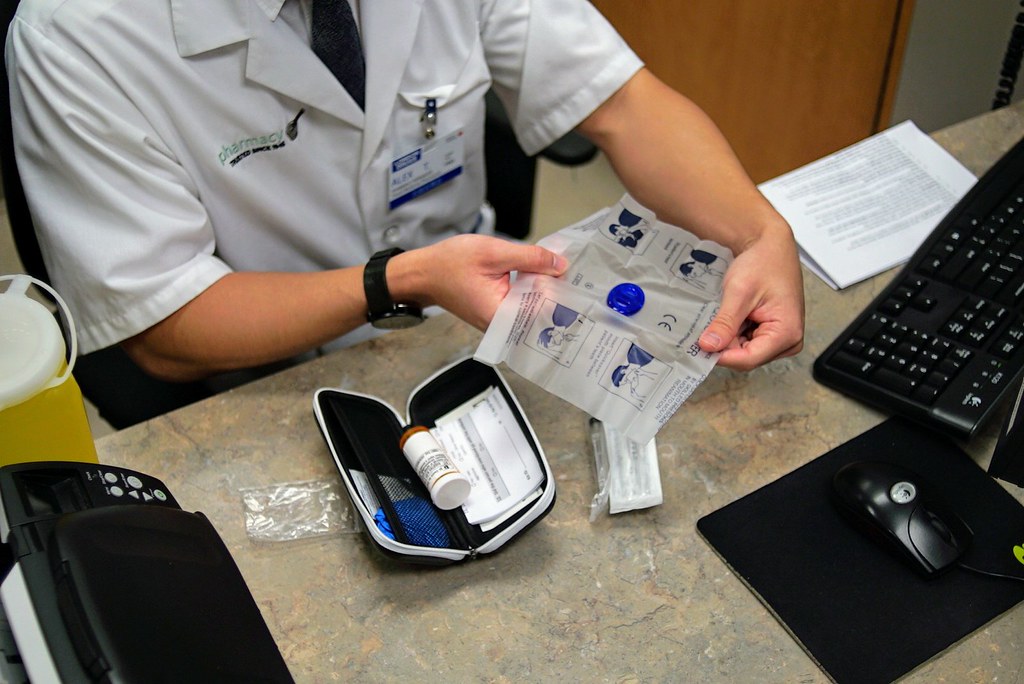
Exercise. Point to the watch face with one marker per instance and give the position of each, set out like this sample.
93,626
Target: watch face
402,316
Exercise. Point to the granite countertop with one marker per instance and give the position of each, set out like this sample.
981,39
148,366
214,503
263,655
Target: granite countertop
628,598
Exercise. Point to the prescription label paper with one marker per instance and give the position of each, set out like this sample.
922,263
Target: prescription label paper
485,442
632,372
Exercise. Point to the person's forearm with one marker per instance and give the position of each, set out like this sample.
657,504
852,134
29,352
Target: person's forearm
674,160
249,319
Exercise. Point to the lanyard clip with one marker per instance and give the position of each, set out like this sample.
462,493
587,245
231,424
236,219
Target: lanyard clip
429,118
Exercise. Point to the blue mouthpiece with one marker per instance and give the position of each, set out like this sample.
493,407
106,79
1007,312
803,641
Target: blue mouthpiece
626,298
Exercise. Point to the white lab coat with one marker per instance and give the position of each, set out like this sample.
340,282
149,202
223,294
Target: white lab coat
163,145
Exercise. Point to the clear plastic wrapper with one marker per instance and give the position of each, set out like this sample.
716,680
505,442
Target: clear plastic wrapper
288,511
628,477
599,504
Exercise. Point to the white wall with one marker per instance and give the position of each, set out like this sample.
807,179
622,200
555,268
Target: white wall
953,57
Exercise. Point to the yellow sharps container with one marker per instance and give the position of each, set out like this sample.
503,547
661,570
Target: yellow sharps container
42,415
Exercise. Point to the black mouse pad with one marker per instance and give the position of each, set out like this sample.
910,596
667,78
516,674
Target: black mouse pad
858,610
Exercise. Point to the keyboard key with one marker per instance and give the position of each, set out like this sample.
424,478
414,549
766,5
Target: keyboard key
896,363
1013,293
854,345
931,265
908,349
1015,332
887,340
917,371
976,337
871,327
875,354
893,306
897,329
915,284
892,380
949,367
987,324
960,354
1005,348
966,316
1011,263
976,272
958,234
903,293
853,365
922,303
992,285
976,304
954,329
926,394
922,338
964,258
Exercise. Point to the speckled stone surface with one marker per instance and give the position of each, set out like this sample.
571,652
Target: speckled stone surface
637,597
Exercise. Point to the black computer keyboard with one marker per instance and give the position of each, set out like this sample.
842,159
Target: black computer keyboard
944,341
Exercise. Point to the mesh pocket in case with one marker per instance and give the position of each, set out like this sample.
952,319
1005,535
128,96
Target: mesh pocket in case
363,433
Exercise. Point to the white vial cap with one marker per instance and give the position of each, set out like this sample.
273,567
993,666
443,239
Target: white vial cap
450,491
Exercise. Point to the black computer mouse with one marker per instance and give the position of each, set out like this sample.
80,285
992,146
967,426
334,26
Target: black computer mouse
897,507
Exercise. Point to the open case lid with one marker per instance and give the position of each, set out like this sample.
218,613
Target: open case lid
151,593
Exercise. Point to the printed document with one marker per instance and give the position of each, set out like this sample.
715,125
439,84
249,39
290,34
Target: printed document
866,208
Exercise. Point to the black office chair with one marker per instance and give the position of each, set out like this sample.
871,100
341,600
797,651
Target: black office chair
122,393
511,174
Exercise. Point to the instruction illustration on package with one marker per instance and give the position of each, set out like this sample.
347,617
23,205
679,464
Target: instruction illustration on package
617,334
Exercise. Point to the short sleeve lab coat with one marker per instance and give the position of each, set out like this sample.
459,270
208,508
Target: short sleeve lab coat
163,145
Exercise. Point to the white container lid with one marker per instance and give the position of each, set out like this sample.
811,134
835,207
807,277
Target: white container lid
450,491
31,348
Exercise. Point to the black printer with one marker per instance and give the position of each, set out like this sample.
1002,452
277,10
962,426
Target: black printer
107,579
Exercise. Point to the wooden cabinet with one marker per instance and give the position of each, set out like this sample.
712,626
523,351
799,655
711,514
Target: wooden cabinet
787,81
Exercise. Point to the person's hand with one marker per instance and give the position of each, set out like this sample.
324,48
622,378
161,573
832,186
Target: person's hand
468,275
762,313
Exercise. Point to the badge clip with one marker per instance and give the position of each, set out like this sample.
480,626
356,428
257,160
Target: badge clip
429,118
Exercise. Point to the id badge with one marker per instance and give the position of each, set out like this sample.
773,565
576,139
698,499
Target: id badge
425,168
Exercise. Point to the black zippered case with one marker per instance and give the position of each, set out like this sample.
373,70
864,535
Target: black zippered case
363,433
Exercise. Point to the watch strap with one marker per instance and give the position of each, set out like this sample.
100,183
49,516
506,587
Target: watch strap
375,283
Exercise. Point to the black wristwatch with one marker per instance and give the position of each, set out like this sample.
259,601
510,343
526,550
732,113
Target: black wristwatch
383,312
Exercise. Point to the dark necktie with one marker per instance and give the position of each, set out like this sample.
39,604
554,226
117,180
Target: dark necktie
336,43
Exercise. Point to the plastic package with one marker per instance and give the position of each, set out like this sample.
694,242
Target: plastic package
599,504
296,510
628,477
